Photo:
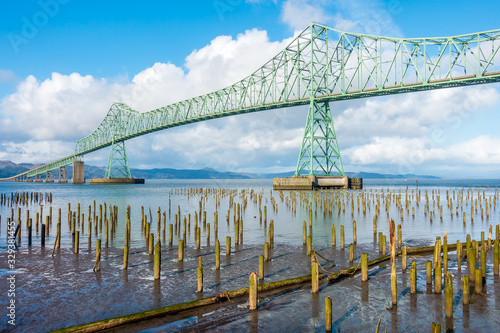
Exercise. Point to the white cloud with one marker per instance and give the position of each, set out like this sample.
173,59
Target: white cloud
298,14
413,155
396,150
373,17
483,149
35,151
412,115
69,107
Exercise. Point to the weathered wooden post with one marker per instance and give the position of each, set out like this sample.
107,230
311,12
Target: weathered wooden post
200,275
97,264
392,245
228,246
181,250
478,283
314,274
157,260
334,237
354,235
253,291
495,258
364,267
342,238
261,267
428,270
328,314
217,254
304,233
125,257
465,289
448,292
413,277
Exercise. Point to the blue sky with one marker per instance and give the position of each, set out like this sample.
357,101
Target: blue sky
63,63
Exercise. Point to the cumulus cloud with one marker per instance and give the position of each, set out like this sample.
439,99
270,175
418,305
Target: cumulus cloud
69,107
362,16
411,115
298,14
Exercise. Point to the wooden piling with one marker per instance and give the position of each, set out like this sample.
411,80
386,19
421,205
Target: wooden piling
97,264
314,274
495,258
228,246
459,255
157,260
483,262
217,254
328,314
200,275
198,238
342,237
253,291
354,234
170,234
413,277
351,253
181,250
77,241
448,292
304,233
261,267
125,257
266,251
151,240
400,237
478,283
471,258
43,235
392,246
465,289
334,237
428,271
364,267
403,258
309,245
438,279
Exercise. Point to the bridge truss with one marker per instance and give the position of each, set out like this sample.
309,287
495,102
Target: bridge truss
321,65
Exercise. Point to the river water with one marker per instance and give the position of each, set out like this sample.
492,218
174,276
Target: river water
62,290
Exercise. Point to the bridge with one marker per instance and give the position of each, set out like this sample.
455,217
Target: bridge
320,66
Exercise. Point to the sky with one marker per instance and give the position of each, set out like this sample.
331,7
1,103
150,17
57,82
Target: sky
64,62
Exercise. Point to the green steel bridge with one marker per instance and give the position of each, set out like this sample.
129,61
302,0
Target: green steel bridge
321,65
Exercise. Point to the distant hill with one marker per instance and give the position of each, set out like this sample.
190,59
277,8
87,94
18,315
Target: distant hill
9,169
372,175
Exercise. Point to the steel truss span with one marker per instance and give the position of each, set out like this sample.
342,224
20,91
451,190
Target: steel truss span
321,65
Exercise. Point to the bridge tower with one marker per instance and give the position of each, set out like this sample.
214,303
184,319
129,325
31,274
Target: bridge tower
118,162
319,154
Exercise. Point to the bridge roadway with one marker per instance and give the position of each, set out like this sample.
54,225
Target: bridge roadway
321,65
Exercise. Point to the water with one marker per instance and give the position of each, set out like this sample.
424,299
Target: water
62,290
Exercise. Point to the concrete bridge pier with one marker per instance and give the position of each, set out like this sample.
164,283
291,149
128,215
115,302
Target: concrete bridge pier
62,175
48,177
78,173
38,178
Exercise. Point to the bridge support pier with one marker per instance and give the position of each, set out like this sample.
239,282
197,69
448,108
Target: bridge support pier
78,173
62,175
38,178
319,154
48,177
